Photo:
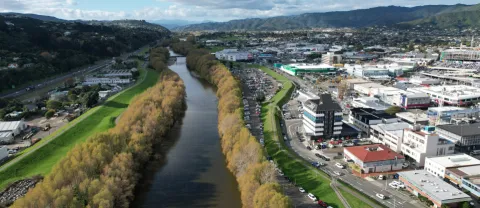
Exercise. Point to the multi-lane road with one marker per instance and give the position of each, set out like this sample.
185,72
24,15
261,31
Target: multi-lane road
48,83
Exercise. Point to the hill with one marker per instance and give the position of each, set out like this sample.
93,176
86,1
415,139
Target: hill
380,16
461,17
132,24
32,49
33,16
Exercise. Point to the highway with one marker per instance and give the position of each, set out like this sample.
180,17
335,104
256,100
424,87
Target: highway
85,70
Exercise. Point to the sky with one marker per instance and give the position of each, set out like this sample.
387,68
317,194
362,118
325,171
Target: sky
195,10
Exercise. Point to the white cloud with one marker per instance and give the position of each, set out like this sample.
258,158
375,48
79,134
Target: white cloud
199,10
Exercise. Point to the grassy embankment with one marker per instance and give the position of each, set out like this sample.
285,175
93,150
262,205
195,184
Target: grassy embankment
95,120
295,168
311,179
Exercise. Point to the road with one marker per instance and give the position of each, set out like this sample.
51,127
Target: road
58,133
401,199
85,70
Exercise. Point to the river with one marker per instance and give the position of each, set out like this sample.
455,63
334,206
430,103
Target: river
192,171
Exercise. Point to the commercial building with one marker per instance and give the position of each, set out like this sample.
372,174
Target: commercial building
423,81
366,88
420,182
330,58
322,117
450,94
371,73
233,55
445,115
413,118
374,158
419,143
466,137
459,54
296,69
14,127
6,137
105,80
439,165
390,135
117,73
402,98
369,102
363,118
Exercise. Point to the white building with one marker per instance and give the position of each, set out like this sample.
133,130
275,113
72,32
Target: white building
450,94
418,144
369,102
3,153
331,58
368,72
104,80
390,135
424,81
402,98
233,55
366,88
13,127
445,114
438,165
117,73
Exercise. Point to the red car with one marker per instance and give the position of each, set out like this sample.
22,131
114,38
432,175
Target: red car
322,203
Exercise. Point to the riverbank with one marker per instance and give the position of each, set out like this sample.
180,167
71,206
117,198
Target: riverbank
39,159
103,170
244,154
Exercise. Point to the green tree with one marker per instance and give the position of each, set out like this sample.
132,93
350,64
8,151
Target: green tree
53,104
393,109
49,113
89,99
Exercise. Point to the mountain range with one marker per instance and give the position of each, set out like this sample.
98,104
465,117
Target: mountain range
441,16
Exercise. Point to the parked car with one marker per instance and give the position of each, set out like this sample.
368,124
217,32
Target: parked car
309,148
381,177
312,197
337,173
322,203
301,189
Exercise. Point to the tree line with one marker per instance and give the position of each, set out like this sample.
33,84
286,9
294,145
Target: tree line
103,171
244,155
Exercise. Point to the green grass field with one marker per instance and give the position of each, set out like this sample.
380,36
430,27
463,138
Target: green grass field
352,200
215,49
95,120
301,173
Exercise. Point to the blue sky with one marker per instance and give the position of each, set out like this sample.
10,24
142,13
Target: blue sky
195,10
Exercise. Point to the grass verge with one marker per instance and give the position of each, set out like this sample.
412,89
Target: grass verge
95,120
352,200
301,173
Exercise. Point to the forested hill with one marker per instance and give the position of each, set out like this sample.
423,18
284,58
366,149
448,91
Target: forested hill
41,49
380,16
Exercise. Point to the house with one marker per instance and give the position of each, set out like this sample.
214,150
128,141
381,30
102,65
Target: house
12,66
435,189
374,158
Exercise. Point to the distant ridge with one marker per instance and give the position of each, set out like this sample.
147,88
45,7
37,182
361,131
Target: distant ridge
380,16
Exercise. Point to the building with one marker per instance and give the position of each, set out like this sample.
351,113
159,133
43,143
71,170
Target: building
423,81
374,158
3,153
439,192
330,58
439,165
367,72
445,114
450,94
322,117
466,137
296,69
390,135
460,54
233,55
363,118
105,80
402,98
13,127
413,118
117,73
366,88
12,66
417,144
369,102
6,137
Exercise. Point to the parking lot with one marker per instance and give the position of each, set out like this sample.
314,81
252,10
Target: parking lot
251,85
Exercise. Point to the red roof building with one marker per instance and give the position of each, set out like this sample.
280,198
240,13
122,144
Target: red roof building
374,158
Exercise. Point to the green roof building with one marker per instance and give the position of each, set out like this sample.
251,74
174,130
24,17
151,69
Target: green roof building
296,69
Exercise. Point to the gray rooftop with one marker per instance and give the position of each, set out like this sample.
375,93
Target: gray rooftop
434,186
325,103
462,129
